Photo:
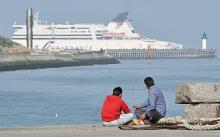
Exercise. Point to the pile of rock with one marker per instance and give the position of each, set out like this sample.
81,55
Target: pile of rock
16,49
202,100
9,47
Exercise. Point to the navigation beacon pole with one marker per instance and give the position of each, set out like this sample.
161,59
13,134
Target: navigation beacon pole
204,41
149,53
29,27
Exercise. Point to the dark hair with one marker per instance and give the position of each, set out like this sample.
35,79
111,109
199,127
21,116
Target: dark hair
117,91
149,81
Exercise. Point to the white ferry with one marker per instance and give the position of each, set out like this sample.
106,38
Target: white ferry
118,34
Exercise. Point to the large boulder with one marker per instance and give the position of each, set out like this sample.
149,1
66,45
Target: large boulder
195,93
196,111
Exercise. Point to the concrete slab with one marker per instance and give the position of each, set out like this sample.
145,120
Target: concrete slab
196,111
98,131
198,93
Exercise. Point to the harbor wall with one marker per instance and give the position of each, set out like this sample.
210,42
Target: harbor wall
22,62
161,53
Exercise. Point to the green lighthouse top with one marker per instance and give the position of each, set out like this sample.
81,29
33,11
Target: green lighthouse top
204,36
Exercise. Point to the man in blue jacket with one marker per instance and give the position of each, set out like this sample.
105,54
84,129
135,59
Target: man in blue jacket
154,108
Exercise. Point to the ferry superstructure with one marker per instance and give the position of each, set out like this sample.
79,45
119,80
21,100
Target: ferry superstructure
118,34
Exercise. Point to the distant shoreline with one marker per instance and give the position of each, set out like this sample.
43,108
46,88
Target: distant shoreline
41,62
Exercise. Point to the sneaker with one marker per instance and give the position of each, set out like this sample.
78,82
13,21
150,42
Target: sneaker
136,121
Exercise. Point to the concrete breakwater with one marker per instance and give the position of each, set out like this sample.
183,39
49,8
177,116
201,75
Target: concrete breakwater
20,62
202,99
161,53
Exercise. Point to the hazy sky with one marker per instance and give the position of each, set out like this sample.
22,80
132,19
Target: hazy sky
181,21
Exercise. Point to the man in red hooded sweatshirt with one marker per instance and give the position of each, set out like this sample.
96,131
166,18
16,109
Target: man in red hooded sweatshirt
112,107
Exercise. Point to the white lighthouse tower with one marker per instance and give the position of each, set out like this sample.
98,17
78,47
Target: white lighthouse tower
204,41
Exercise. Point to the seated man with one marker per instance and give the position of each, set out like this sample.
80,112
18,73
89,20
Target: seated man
112,107
154,108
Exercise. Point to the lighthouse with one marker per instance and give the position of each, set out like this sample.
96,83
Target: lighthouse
204,41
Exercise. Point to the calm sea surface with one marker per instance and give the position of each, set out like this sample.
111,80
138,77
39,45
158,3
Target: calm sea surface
74,95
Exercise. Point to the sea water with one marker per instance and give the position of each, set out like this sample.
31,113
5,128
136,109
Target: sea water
74,95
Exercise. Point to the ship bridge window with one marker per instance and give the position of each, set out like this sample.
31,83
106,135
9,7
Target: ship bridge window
101,31
61,28
17,27
83,31
83,28
72,27
132,31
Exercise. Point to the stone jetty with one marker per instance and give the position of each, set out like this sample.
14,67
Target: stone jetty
161,53
202,99
10,62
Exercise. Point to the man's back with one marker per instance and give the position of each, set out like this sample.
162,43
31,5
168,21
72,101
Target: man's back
160,104
154,108
112,107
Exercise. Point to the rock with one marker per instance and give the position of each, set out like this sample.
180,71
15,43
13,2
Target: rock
198,93
16,49
195,111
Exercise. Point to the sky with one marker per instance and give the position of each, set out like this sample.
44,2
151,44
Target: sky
180,21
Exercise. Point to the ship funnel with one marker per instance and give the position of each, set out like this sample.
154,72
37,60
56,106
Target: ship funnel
121,17
29,28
